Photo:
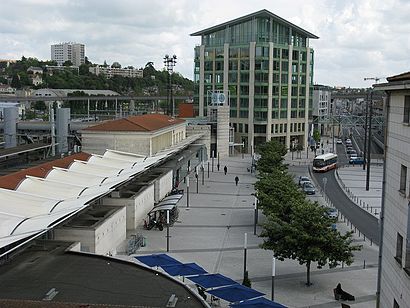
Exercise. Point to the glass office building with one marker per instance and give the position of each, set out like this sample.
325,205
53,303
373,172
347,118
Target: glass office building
264,64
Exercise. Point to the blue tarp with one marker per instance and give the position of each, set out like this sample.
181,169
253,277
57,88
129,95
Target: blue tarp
157,260
212,280
235,293
186,269
258,303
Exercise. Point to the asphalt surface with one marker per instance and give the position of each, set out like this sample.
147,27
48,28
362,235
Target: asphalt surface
86,279
361,219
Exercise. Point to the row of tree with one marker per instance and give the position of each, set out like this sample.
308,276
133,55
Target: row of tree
296,228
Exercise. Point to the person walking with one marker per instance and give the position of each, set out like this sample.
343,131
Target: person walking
236,180
225,169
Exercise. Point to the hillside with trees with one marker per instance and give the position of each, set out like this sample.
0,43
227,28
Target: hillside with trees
154,82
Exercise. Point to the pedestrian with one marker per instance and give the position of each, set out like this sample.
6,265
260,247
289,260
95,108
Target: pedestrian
236,180
217,166
225,169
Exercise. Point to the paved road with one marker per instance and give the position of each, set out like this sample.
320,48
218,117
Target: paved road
364,221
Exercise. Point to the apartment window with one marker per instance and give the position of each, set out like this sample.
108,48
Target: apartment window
406,115
399,248
403,180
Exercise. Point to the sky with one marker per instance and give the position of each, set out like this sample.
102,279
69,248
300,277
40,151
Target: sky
357,38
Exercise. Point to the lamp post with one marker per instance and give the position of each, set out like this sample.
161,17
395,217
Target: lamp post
169,62
213,156
245,244
256,216
203,173
167,230
273,276
187,190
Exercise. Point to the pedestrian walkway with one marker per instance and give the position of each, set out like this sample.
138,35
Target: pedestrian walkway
210,231
353,181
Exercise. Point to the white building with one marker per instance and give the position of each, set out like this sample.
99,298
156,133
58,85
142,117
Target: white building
35,74
112,71
73,52
144,135
322,109
394,270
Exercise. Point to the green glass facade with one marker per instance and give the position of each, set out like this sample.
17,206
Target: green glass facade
266,68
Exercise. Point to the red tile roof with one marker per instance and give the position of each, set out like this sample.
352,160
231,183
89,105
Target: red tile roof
12,180
141,123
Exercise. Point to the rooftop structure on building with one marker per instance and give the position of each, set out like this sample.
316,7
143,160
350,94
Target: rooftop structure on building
263,64
109,72
69,51
394,268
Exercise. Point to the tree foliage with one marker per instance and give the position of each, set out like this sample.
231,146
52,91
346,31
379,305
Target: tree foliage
316,136
296,228
271,153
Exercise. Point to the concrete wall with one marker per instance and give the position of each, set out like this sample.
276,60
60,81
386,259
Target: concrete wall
395,283
111,232
98,142
137,207
222,139
101,239
163,185
206,139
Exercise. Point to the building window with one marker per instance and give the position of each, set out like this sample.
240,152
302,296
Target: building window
406,115
407,255
403,180
399,248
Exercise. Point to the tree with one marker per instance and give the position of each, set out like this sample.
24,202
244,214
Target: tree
40,105
316,136
116,65
68,63
272,153
307,236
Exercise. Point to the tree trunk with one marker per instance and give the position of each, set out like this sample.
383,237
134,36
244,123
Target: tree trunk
308,274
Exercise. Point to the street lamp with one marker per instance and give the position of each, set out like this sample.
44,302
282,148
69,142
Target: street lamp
169,62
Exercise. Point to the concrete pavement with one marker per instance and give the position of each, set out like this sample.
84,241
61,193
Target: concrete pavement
211,233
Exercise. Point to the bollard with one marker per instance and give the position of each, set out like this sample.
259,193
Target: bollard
367,207
371,242
351,226
359,234
343,264
355,229
364,264
364,237
371,209
344,218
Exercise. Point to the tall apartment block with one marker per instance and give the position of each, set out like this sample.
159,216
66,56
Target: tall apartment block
394,268
322,108
264,65
73,52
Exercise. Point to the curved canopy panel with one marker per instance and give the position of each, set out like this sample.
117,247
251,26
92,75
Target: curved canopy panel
105,161
123,156
93,169
73,177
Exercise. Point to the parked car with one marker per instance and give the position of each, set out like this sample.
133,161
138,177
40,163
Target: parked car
349,152
339,141
348,142
309,189
303,180
332,212
352,155
356,161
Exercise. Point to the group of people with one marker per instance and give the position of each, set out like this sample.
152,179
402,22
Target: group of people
226,171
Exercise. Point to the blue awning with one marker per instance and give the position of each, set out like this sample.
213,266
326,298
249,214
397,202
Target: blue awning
212,280
157,260
186,269
257,303
235,293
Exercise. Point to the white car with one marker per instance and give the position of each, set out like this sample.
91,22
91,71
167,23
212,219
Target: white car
339,141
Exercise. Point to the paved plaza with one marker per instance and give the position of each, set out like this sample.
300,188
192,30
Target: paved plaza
211,232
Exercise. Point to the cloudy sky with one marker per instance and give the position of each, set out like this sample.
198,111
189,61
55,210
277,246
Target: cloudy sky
358,38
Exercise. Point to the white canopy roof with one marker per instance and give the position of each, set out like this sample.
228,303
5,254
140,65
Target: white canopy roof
39,203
